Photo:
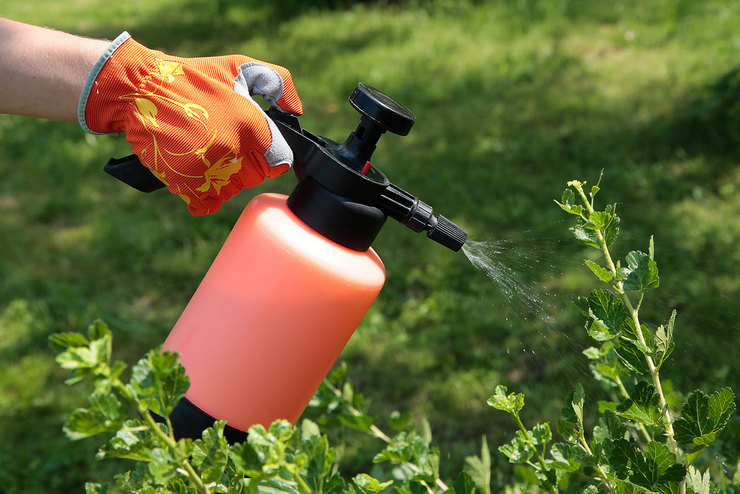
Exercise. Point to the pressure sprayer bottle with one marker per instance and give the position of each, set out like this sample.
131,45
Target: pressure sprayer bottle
295,276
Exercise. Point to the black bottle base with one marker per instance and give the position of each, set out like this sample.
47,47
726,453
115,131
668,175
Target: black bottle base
190,421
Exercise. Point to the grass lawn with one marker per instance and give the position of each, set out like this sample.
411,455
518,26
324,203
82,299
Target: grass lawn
512,99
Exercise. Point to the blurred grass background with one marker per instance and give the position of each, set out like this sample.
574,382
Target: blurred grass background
512,99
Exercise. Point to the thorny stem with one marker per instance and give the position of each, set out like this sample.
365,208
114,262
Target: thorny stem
633,312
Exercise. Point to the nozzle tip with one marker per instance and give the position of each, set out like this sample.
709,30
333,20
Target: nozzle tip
448,234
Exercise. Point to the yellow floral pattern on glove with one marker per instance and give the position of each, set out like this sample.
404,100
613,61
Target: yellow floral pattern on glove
216,174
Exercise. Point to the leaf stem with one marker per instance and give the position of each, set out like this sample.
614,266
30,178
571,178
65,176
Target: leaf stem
604,479
542,466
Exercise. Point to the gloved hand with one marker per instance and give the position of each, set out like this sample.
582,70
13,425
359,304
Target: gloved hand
192,121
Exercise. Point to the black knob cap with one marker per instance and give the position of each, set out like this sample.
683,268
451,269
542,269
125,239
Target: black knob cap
382,109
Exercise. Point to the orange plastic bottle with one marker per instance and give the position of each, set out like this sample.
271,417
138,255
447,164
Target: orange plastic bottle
271,316
295,278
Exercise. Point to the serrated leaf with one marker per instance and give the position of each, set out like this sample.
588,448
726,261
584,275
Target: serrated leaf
696,482
703,417
581,304
511,403
541,434
569,457
69,340
606,314
601,273
159,381
210,453
585,235
570,208
599,220
643,405
572,410
105,413
365,483
464,484
568,430
664,341
611,230
517,450
478,468
654,469
641,273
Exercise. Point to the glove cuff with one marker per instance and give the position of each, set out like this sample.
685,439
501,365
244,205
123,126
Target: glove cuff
118,72
90,81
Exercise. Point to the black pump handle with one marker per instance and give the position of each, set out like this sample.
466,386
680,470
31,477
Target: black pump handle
131,171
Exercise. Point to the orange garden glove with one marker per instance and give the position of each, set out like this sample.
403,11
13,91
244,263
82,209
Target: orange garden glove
192,121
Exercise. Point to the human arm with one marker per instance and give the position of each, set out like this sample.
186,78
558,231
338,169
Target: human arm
42,71
191,121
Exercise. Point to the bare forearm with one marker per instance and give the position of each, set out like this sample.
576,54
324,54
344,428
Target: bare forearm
42,71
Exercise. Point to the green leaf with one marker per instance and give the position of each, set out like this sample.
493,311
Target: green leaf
365,483
69,340
611,230
105,413
95,488
511,403
569,457
606,314
570,423
568,203
643,405
133,440
478,468
210,453
654,469
696,482
358,422
464,484
703,417
601,273
641,273
518,450
630,351
541,434
664,340
581,304
584,234
159,381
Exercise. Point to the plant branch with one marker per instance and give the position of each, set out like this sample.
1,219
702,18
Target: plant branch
164,437
604,479
634,314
